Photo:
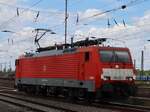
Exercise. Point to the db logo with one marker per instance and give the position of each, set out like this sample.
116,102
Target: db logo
44,68
117,66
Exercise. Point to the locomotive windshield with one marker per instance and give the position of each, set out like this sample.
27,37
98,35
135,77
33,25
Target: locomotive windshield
114,56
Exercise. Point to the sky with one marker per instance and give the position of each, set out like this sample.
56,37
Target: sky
20,18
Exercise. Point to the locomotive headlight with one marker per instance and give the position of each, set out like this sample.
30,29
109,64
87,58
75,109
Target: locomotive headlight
134,77
129,78
105,77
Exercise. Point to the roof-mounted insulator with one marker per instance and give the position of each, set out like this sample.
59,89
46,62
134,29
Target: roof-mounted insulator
77,20
38,13
108,23
124,23
17,11
8,41
115,22
123,6
12,42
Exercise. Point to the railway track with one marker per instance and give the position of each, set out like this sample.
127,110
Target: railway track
137,104
50,104
80,106
56,104
143,91
128,107
7,82
30,104
141,98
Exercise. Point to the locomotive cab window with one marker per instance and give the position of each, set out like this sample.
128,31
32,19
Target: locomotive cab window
122,56
107,56
87,56
114,56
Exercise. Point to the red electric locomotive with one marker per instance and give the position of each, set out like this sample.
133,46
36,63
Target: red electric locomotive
77,71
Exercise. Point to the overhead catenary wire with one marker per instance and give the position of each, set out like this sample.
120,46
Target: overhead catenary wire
128,35
124,6
108,32
38,13
77,17
18,13
5,22
127,28
132,3
135,2
101,13
35,10
137,26
57,25
29,9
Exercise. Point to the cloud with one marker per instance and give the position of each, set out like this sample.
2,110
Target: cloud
8,1
9,18
90,12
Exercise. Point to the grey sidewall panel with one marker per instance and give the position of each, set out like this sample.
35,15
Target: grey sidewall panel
88,84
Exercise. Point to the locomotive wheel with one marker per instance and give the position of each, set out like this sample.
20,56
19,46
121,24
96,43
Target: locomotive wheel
98,95
19,87
43,91
52,91
90,97
33,90
81,93
72,95
28,90
37,90
65,92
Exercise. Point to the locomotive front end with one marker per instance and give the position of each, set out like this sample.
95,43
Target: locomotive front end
117,71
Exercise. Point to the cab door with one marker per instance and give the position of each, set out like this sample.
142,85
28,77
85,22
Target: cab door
17,71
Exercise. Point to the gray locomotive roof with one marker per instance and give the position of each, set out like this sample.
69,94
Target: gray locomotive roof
48,53
54,52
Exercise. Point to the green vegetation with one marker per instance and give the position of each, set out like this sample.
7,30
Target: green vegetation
7,74
146,72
